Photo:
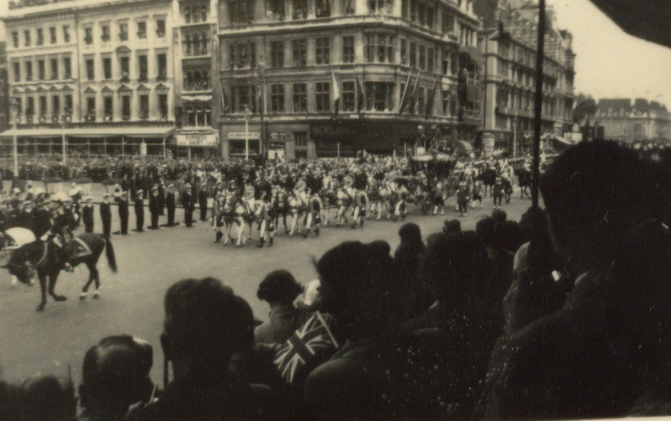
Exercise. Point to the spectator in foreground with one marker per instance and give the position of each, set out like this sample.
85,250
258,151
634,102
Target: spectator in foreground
407,257
607,347
115,375
280,290
47,398
205,326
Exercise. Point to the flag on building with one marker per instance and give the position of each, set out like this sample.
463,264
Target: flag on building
415,93
225,103
313,338
404,96
432,97
336,94
360,96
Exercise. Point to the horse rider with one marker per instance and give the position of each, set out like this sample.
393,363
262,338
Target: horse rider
266,221
60,227
299,191
248,194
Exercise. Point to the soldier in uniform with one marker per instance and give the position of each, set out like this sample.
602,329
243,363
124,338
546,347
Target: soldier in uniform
139,211
41,218
154,207
60,227
267,219
87,214
171,204
15,215
123,213
202,200
187,203
106,215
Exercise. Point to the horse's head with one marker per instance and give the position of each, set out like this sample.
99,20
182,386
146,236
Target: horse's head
24,270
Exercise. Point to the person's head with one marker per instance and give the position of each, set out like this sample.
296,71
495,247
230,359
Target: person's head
56,201
279,287
205,324
508,236
360,288
450,226
455,266
115,375
48,398
594,192
410,233
484,228
499,216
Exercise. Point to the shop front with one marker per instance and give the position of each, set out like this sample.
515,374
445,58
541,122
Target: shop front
197,144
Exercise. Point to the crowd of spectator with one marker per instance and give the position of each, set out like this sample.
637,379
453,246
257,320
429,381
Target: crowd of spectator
562,315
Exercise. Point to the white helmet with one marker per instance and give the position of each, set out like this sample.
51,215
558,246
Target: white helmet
59,197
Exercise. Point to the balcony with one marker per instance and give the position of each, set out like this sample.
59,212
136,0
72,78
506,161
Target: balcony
197,86
144,115
126,116
109,116
142,35
105,38
160,34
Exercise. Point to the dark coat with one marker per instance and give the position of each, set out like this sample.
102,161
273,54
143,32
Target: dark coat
87,217
170,201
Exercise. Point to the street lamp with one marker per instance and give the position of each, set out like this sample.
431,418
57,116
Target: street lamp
65,145
14,109
247,113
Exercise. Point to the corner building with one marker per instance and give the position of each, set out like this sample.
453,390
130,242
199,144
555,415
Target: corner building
402,68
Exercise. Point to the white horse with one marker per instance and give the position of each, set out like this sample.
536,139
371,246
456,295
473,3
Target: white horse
11,240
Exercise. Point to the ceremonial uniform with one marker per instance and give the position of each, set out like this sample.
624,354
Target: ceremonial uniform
154,207
187,203
170,204
106,217
123,213
139,212
202,201
87,217
41,221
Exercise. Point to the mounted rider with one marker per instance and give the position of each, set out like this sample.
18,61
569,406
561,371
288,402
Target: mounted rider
60,227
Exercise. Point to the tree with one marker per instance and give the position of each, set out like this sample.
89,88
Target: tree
585,108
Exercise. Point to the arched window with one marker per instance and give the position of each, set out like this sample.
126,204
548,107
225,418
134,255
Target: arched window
188,84
196,80
187,14
191,116
187,45
206,79
208,116
195,14
203,13
196,44
199,116
203,44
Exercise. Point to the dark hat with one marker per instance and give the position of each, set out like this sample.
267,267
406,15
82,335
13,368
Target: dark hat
279,286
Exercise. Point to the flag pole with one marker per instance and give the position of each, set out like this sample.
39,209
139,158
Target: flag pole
538,105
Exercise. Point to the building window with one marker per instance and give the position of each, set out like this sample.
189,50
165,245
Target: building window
422,57
300,52
143,68
187,45
379,95
41,72
379,48
144,107
421,13
67,68
277,98
55,105
40,37
68,105
15,39
160,28
26,35
348,49
243,55
88,36
300,9
125,107
163,106
123,32
66,33
124,65
43,105
404,52
243,98
241,12
323,50
323,8
108,108
446,103
323,96
429,17
142,30
107,68
413,54
430,63
203,44
30,107
300,97
448,23
301,139
162,65
347,7
54,69
277,54
17,72
276,12
420,101
348,95
52,32
29,71
90,69
379,6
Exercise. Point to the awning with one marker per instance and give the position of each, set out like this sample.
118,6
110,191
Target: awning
92,132
199,98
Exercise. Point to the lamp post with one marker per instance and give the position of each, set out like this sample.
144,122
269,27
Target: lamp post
262,73
246,133
14,109
65,145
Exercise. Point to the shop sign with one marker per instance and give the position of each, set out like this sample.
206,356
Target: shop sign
243,135
280,136
196,139
275,145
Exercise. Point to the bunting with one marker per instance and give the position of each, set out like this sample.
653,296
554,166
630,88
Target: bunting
336,94
225,104
360,96
404,98
415,93
432,96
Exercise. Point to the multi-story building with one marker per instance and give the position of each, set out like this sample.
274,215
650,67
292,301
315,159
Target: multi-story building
509,45
93,76
195,26
4,89
397,67
633,120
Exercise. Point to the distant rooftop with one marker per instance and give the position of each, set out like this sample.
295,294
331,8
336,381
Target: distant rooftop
19,8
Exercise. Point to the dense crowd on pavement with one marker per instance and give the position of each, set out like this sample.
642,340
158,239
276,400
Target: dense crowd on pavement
563,314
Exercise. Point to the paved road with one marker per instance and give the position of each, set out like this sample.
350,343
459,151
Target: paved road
131,301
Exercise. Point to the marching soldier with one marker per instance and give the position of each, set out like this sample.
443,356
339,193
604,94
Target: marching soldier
202,200
154,207
106,215
171,204
267,219
139,211
87,214
187,203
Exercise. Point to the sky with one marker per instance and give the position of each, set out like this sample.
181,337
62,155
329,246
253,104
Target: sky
609,62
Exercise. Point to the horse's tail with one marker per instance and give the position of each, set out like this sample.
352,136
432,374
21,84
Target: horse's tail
111,258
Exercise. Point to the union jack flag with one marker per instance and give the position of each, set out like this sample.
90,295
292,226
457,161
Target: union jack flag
313,337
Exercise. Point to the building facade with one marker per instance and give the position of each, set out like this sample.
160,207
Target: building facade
398,69
92,77
509,45
4,89
633,120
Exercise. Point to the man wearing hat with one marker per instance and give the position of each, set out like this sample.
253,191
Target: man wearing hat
171,204
106,216
87,214
154,207
123,213
139,211
188,204
60,226
202,200
41,218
